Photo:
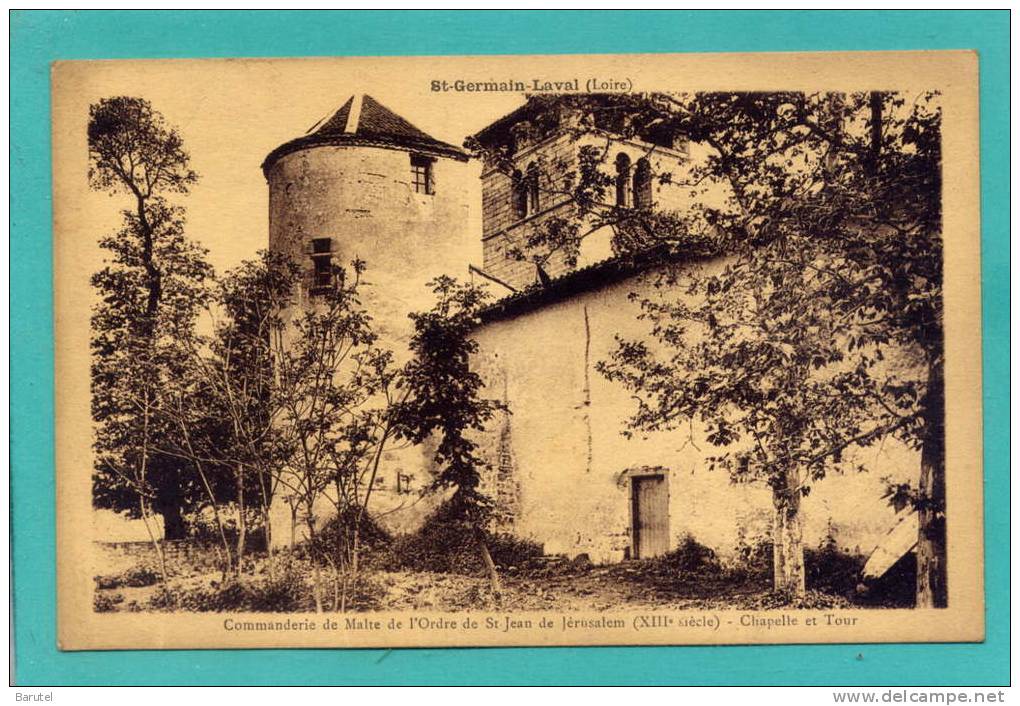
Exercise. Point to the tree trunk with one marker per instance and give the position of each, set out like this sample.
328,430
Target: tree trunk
293,525
339,569
932,590
226,559
157,545
787,537
355,548
242,526
490,565
174,526
316,588
267,530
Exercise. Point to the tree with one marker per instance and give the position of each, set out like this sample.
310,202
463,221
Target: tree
823,328
196,433
443,403
238,372
150,290
331,398
849,188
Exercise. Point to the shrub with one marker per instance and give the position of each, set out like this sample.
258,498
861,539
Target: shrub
827,568
810,600
689,557
364,594
135,577
284,590
106,602
510,551
832,570
204,532
164,598
754,558
339,531
445,543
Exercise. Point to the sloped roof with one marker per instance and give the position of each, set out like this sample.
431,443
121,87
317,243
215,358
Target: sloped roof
575,282
362,120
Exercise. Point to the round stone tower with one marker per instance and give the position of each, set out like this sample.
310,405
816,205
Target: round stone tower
367,184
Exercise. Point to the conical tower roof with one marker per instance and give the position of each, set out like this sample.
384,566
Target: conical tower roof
362,120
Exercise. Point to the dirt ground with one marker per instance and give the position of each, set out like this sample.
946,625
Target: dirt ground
558,585
594,589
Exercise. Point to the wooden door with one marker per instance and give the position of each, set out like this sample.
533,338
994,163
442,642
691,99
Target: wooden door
650,498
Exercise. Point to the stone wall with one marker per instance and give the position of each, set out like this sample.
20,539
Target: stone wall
363,199
573,466
504,231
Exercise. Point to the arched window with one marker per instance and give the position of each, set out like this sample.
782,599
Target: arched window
623,180
533,200
642,184
519,194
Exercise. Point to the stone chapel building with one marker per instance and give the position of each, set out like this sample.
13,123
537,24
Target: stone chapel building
366,183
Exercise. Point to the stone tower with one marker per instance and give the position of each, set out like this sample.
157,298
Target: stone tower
365,183
543,139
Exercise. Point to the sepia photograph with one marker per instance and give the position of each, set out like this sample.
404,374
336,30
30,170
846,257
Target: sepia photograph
518,350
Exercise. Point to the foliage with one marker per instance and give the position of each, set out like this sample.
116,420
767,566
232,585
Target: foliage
338,533
753,558
135,576
512,552
222,407
284,589
446,543
819,330
239,375
204,532
106,602
689,557
831,570
334,391
150,289
132,149
443,397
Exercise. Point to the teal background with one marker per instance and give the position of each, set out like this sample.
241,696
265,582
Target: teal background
39,37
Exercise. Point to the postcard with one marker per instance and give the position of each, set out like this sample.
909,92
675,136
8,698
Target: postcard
518,350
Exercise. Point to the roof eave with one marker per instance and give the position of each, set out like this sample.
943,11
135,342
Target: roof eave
435,148
577,282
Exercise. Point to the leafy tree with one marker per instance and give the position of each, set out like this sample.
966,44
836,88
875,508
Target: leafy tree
238,373
150,289
443,403
195,435
332,393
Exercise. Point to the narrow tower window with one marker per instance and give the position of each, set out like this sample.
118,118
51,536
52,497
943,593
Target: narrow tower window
642,184
421,174
519,194
623,180
532,183
322,265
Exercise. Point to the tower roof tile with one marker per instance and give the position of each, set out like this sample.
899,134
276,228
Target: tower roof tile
362,120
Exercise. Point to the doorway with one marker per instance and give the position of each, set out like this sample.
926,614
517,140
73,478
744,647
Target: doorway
649,516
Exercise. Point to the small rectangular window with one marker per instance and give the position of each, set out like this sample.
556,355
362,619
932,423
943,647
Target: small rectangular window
323,275
322,265
421,174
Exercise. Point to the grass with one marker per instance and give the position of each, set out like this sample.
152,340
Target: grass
414,572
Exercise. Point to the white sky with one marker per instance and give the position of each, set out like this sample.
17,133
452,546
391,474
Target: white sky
232,113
